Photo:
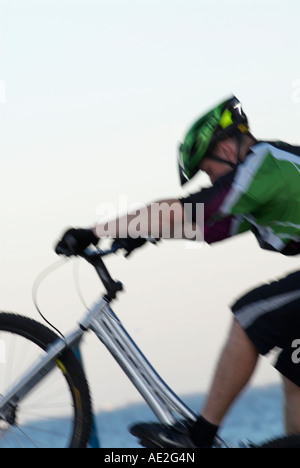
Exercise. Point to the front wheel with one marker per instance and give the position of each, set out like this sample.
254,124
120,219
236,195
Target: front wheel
57,412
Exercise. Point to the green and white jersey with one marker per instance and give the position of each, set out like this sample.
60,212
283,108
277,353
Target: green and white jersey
264,196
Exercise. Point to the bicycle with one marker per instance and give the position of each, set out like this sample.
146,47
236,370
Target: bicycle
51,378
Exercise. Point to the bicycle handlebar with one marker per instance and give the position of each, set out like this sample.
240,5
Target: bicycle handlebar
94,257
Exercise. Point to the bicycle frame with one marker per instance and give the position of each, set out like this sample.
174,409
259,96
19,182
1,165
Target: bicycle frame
105,324
101,319
160,398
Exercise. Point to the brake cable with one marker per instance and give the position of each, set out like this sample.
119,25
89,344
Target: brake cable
38,281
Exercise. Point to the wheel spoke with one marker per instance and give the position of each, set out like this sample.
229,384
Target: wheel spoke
48,415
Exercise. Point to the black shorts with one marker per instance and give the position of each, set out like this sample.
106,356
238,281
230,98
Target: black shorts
270,315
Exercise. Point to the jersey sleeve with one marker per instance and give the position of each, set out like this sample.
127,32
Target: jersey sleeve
265,191
212,198
257,187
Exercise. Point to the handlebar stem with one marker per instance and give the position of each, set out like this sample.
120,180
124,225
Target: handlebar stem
94,257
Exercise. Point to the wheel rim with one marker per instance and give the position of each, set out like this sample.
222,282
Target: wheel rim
45,418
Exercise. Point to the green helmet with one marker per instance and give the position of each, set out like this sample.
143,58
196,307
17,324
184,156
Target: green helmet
225,120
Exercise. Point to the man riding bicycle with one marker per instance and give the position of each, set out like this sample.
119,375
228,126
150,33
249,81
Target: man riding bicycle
255,186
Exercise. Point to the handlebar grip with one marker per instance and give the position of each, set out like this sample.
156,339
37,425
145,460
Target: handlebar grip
61,250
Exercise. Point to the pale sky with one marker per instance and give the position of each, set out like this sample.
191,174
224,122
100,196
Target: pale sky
94,98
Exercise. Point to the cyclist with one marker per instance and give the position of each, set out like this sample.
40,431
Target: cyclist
255,186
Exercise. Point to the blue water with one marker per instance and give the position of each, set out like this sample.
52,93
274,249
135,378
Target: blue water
256,416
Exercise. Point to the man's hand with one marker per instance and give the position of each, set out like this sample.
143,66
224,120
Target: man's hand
75,241
129,244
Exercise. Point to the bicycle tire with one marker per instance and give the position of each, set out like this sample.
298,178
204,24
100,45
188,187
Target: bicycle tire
37,336
292,441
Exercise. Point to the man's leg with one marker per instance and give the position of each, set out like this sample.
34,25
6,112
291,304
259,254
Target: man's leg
291,407
235,367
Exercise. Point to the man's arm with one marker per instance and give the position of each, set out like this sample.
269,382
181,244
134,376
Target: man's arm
162,219
159,220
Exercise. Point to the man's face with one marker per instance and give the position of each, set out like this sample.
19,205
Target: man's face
227,150
214,169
